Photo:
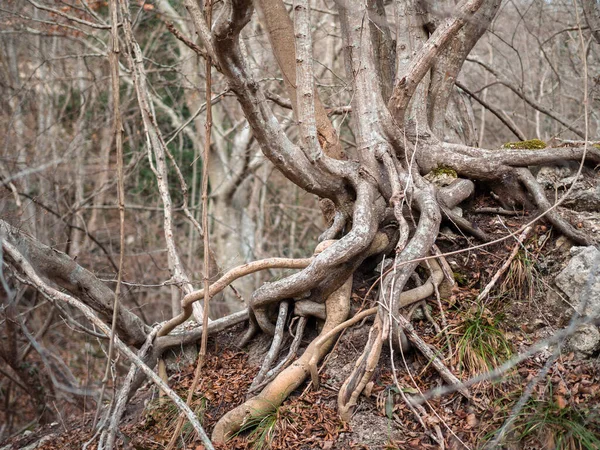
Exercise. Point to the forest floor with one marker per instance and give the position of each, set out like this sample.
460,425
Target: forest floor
563,411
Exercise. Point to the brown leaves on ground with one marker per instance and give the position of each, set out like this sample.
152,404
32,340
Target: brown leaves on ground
308,421
224,381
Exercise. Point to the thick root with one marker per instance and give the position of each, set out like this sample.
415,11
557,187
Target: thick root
338,308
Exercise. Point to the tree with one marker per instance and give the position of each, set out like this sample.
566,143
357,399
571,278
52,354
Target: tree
409,117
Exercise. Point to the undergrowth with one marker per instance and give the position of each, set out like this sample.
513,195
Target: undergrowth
548,421
260,431
481,344
521,279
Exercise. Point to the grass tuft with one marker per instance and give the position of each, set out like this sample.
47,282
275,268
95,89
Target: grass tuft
482,345
555,424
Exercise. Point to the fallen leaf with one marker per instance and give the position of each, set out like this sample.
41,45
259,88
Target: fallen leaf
472,420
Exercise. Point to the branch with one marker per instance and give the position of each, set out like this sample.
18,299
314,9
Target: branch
35,281
281,35
65,272
192,45
67,16
201,27
407,84
533,103
493,110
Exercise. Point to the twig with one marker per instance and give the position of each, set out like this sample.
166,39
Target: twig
113,59
501,211
192,45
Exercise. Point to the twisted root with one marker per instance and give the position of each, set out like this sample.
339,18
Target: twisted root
338,308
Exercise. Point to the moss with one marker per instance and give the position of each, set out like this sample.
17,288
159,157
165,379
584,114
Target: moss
460,279
531,144
444,170
596,145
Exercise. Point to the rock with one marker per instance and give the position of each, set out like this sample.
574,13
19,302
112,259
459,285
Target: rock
585,340
553,176
580,280
585,195
584,199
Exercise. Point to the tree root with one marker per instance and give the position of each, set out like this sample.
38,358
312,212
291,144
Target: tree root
363,370
275,344
226,280
553,216
338,308
293,352
314,373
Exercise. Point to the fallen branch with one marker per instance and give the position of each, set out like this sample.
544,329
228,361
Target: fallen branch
436,362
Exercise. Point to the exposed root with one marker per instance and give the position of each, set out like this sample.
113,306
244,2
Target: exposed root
553,216
305,308
275,345
464,225
292,354
363,370
338,308
314,374
333,265
226,280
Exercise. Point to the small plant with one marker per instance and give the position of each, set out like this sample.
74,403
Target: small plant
521,278
482,344
551,424
262,428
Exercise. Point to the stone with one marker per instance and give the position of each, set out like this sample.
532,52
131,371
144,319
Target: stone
585,340
580,280
584,199
552,176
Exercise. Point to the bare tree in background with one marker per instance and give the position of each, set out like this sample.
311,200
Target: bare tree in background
363,122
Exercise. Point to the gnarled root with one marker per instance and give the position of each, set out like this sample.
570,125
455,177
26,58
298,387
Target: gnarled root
363,369
338,308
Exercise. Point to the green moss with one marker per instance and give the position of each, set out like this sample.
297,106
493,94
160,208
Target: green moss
531,144
460,279
597,145
444,170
